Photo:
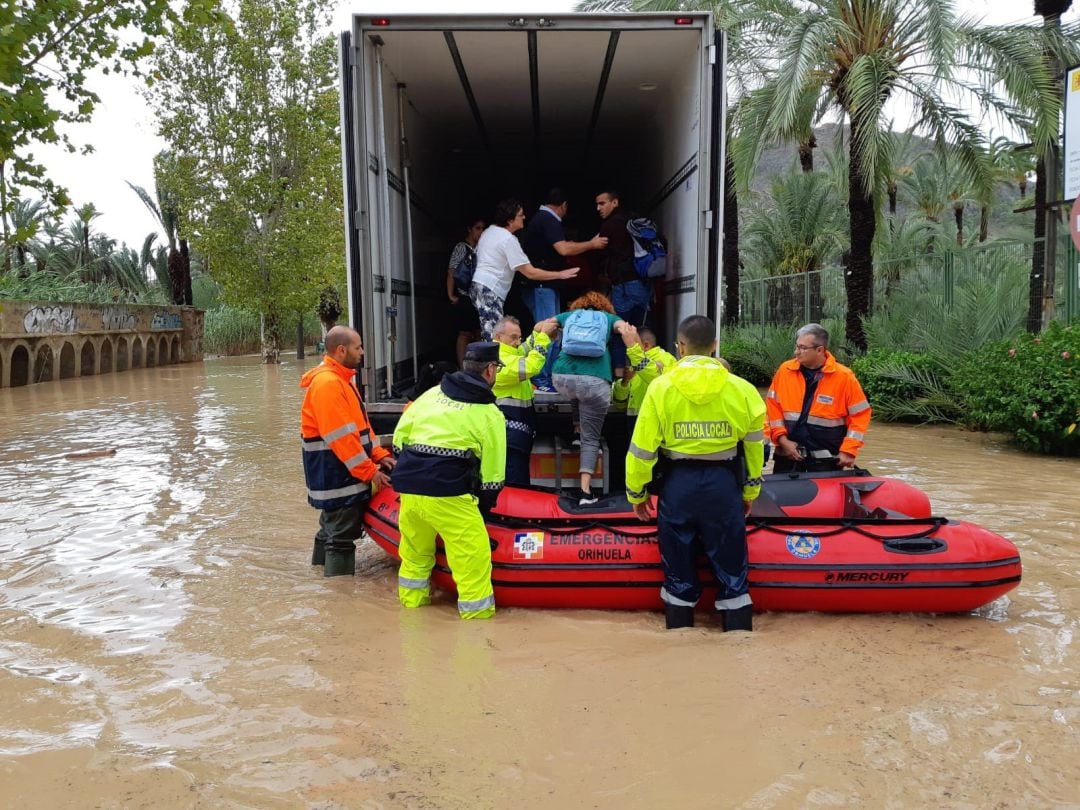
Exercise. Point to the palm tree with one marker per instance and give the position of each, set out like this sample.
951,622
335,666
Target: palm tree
796,228
76,240
900,166
165,207
26,216
1009,167
858,56
1014,162
923,186
154,261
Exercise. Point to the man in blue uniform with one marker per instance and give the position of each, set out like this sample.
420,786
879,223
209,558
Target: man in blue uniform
697,414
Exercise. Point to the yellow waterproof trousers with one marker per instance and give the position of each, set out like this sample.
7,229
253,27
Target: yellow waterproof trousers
457,520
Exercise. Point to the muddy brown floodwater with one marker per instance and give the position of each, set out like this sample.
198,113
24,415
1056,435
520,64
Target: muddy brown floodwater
165,643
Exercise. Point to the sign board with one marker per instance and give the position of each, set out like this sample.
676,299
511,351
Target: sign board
1074,223
1071,155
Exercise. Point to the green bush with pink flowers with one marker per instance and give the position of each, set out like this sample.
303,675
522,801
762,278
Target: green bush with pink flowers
1027,387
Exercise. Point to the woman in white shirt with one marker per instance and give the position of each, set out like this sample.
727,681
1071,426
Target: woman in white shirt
498,257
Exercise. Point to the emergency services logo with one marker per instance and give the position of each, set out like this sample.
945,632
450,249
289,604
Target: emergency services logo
803,546
529,546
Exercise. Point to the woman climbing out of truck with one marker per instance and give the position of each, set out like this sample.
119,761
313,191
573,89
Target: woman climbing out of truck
498,256
582,373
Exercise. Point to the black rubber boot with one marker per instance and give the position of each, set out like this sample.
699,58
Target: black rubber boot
738,619
340,562
678,616
318,552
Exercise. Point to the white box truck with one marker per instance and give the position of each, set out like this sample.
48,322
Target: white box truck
453,113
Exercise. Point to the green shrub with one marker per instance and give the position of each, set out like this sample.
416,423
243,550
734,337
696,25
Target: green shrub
906,387
753,356
1028,387
70,289
229,330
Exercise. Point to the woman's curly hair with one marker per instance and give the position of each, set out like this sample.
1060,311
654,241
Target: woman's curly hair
593,300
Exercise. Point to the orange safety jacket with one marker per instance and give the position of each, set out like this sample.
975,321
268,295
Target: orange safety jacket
340,451
839,414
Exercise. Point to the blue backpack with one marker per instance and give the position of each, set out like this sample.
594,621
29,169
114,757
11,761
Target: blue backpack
650,248
585,333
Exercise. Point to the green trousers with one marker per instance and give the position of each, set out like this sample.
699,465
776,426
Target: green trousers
338,528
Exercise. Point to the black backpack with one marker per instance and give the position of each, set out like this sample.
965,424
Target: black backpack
463,273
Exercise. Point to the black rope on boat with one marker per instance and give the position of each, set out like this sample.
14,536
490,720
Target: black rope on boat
790,525
857,525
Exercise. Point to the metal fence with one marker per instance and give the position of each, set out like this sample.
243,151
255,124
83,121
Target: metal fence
820,295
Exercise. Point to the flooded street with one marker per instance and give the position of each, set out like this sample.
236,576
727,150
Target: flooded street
167,644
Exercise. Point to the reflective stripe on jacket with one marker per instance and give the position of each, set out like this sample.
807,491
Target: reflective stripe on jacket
452,441
839,414
647,365
513,391
697,411
340,450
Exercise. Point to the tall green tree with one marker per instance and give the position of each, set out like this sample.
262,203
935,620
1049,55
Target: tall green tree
48,51
249,108
798,226
858,57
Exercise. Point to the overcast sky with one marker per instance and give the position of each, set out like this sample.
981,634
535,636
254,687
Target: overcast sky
122,130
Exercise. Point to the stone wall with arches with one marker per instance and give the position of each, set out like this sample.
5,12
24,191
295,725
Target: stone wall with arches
47,341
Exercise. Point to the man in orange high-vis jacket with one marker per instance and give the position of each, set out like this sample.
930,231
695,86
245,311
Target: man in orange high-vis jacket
817,411
341,457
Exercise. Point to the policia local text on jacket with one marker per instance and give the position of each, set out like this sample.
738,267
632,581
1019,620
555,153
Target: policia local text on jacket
341,458
822,410
452,458
696,414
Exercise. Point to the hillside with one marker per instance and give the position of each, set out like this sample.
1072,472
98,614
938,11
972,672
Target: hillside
1004,224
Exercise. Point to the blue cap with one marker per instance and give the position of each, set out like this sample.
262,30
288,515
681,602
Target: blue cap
483,351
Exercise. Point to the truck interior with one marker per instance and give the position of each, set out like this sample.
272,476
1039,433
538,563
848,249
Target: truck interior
466,117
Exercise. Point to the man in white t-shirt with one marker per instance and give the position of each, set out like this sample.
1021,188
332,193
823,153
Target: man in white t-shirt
498,257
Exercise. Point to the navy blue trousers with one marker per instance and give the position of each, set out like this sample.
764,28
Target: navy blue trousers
517,467
702,501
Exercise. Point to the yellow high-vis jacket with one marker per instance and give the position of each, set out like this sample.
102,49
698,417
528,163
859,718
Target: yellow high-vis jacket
697,411
647,365
514,392
452,441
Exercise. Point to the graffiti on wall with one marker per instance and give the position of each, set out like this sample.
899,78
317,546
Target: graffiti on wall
43,320
116,318
166,320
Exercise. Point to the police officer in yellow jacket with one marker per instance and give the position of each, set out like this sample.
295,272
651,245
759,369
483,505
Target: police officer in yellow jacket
514,392
451,446
645,361
697,415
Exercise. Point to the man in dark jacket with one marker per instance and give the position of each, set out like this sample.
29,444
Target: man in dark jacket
630,295
547,247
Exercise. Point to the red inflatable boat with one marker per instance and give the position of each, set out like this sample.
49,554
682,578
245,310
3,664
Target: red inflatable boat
832,542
